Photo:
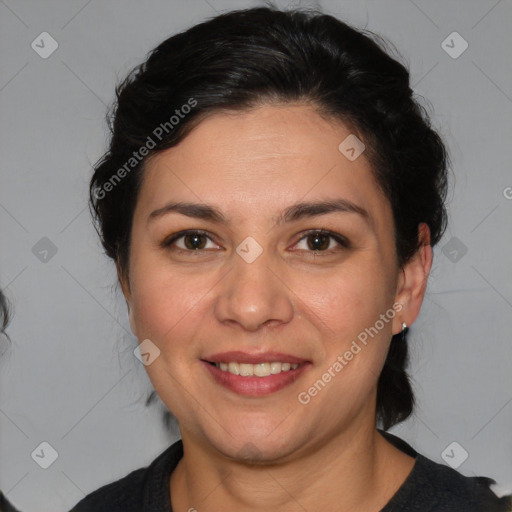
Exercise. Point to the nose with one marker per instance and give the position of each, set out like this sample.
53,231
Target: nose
253,295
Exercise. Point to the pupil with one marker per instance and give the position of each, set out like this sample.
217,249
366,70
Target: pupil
316,237
196,240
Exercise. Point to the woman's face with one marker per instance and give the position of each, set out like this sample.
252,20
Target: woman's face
258,282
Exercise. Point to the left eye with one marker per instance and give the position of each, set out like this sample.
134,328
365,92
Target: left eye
320,241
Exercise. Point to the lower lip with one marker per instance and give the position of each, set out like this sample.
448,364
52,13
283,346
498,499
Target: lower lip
255,386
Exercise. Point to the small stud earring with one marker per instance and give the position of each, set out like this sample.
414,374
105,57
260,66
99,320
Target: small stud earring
404,326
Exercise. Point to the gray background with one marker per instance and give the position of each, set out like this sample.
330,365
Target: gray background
70,377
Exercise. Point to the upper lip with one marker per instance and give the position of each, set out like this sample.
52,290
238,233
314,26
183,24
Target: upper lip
261,357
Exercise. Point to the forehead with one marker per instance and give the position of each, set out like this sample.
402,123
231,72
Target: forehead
264,158
265,134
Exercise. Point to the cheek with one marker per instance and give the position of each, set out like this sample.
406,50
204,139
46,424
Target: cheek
355,342
349,299
165,305
166,312
346,308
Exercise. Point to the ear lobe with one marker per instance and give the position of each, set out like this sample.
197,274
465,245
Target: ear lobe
412,282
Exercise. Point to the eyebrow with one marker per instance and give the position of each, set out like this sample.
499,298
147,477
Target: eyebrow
293,213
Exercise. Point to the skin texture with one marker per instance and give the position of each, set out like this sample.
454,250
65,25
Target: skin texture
326,455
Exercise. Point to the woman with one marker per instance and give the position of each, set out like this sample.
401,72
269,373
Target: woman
270,198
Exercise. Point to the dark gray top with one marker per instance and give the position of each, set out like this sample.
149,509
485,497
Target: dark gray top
430,487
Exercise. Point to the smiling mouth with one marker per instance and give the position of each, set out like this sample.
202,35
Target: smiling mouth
255,370
258,379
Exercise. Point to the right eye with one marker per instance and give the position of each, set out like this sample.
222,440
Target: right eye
193,241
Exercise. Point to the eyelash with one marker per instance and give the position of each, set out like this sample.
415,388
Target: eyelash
340,239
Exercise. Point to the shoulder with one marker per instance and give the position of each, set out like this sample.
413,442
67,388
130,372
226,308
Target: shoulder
435,487
5,504
451,490
133,492
124,494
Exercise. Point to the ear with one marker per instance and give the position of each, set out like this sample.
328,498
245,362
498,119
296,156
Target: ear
412,281
125,287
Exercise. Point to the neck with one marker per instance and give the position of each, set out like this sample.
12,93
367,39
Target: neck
357,470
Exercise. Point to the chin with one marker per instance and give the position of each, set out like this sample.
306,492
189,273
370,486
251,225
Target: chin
254,447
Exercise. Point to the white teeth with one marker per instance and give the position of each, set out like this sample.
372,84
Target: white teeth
232,368
246,370
275,368
262,369
258,370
